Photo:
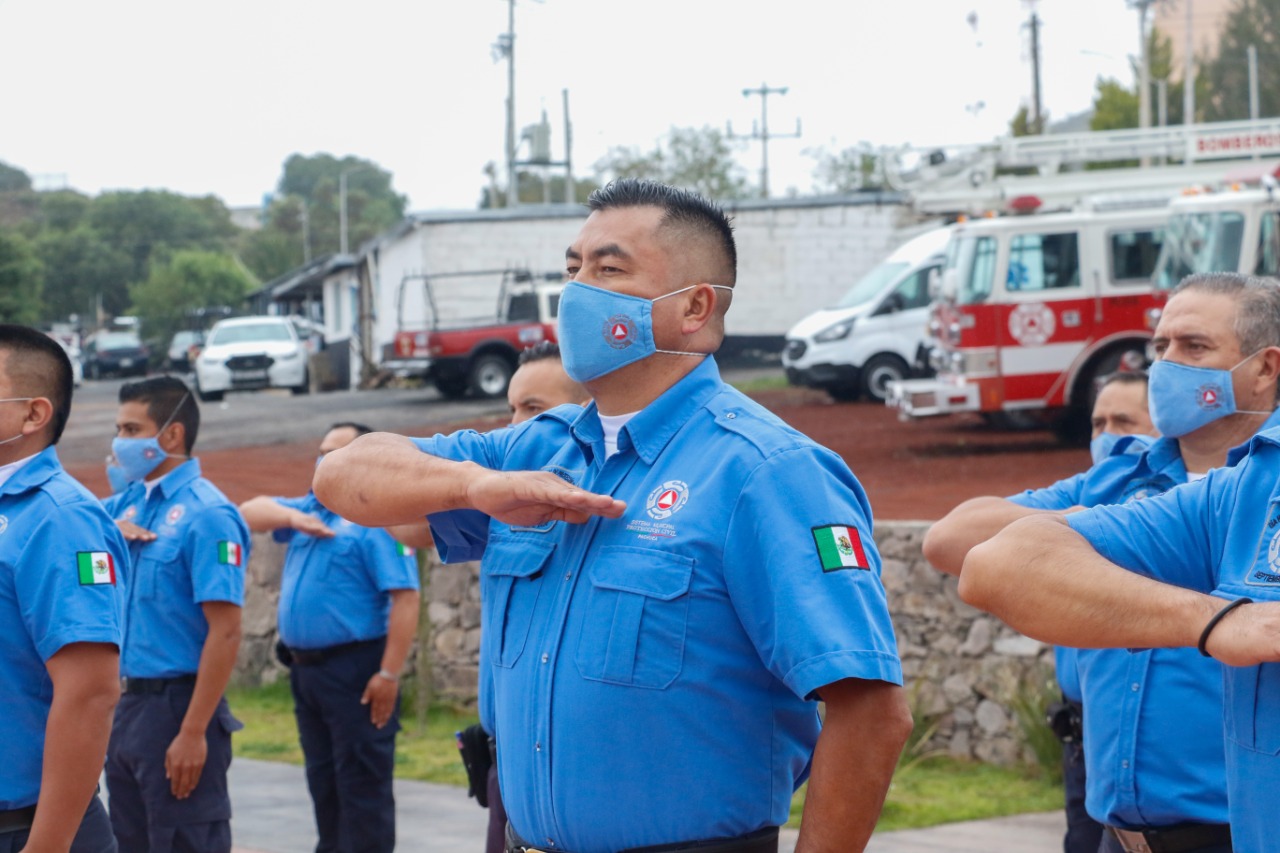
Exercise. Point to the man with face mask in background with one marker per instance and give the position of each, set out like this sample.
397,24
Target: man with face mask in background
1152,738
348,614
673,575
171,742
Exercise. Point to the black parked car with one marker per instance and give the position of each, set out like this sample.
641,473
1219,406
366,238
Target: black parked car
115,354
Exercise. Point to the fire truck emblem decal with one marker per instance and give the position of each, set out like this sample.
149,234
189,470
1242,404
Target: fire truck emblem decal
1031,323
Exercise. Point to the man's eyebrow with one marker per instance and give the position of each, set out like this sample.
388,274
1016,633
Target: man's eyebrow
612,250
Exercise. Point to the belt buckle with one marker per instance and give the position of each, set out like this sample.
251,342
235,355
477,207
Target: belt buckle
1131,841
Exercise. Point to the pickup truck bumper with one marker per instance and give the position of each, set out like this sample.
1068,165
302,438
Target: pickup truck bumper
406,368
942,395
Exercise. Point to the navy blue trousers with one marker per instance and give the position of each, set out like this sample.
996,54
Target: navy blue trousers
350,763
145,816
93,836
1084,834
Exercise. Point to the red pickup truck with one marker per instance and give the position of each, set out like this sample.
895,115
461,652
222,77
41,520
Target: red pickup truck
476,356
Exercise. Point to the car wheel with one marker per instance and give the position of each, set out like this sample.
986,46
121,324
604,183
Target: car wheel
452,388
304,388
208,396
844,393
878,372
490,375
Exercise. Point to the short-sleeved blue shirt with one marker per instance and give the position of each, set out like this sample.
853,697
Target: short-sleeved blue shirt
1152,741
335,590
655,674
1219,536
199,555
63,566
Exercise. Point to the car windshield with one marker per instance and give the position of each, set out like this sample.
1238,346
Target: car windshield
118,340
870,285
246,333
1199,243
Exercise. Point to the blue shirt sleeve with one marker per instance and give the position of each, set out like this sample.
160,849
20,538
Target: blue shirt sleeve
462,534
58,605
217,548
1175,537
1063,494
811,626
390,564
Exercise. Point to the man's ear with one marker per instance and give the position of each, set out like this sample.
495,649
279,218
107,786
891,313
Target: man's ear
700,308
1269,361
39,415
173,439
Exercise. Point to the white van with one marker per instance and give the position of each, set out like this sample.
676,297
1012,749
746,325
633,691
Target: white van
872,336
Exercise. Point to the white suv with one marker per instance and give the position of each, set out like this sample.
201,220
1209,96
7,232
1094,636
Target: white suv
248,353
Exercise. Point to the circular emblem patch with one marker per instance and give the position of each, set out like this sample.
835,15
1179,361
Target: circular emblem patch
130,513
175,514
666,500
1210,396
1273,553
150,453
1031,324
620,331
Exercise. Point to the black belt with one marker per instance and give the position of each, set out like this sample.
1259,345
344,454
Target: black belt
311,657
1183,838
17,819
139,686
761,841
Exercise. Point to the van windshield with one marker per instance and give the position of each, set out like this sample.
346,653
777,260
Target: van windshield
870,285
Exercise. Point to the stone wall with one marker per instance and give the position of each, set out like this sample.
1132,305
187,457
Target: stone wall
962,667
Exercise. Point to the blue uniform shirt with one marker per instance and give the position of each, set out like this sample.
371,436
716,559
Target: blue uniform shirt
335,590
1217,536
199,555
654,675
63,565
1152,741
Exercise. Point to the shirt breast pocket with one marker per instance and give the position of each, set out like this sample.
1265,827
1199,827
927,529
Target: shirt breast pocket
512,572
155,559
1252,695
633,631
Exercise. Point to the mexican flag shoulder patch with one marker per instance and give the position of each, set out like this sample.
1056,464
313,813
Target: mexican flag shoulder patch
230,553
95,568
840,547
404,550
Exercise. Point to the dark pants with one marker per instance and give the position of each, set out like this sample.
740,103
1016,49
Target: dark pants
145,815
496,840
1084,834
350,763
94,835
1111,845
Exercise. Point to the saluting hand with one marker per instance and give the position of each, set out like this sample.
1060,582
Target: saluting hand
311,525
531,498
184,761
380,695
134,533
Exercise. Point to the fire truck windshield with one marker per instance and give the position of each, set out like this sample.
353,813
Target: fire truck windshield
1199,243
870,285
974,261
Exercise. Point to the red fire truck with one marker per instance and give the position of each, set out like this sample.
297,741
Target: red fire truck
1032,309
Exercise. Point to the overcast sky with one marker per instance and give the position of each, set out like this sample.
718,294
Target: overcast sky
200,97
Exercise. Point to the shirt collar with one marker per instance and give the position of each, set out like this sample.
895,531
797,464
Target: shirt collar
31,472
657,423
170,483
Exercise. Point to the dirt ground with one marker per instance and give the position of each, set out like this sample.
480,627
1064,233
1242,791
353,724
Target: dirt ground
910,470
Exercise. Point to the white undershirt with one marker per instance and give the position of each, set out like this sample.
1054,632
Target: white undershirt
612,425
150,485
7,471
1192,476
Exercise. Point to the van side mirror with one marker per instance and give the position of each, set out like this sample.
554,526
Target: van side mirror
935,283
949,285
892,304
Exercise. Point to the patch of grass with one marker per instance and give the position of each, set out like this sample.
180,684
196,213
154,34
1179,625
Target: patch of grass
927,789
761,383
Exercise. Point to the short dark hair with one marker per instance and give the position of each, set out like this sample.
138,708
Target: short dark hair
1123,377
680,209
38,366
360,429
544,351
168,399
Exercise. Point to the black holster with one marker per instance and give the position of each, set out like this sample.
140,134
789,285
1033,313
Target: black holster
477,757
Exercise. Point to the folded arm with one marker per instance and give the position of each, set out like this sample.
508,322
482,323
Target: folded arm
973,522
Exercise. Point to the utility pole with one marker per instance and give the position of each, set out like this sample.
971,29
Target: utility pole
513,194
1144,68
1037,116
761,132
1188,72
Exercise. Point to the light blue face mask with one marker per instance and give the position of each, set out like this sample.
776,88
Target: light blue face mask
115,476
138,457
1183,398
601,331
1102,446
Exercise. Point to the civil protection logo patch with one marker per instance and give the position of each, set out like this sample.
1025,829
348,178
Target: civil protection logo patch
620,331
1209,396
666,500
1265,570
175,514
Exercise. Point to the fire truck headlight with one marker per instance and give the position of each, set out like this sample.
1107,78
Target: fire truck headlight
838,332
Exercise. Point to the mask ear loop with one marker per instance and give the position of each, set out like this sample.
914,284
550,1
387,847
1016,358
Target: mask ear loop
682,290
1233,370
169,421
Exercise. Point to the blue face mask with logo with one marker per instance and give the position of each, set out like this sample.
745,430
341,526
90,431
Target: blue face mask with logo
1102,446
1183,398
115,476
601,331
138,457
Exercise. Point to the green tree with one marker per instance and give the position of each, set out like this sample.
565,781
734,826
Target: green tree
187,281
700,159
1252,22
13,178
855,169
1115,105
20,274
82,273
157,221
372,204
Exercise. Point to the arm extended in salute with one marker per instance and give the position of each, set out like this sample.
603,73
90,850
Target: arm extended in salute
381,479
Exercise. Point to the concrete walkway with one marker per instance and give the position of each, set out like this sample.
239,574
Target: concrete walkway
272,814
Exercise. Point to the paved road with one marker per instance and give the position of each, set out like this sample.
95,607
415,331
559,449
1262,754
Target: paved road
272,814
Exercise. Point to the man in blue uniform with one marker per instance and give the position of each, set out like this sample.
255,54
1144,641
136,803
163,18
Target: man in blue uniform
672,575
1121,425
62,564
1063,579
171,742
348,614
